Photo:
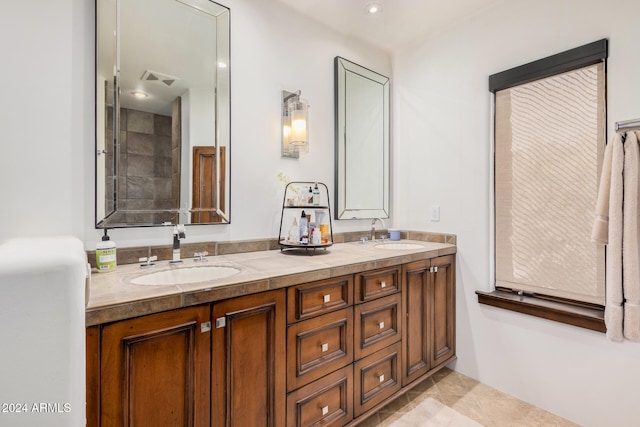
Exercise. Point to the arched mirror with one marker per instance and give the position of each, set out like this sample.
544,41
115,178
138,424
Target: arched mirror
362,142
162,112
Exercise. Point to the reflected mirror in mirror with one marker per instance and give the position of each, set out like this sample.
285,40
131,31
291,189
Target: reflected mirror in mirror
162,112
362,142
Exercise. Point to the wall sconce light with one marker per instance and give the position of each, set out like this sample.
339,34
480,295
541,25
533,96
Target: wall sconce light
295,124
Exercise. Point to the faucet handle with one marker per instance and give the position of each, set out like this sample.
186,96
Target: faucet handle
200,256
148,261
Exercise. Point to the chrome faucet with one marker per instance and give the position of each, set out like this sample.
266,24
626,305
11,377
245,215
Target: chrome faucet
178,233
373,227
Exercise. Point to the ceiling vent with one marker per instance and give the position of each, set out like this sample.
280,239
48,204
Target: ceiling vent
154,76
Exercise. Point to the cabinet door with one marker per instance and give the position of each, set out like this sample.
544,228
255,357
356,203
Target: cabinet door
415,348
429,315
155,370
248,362
442,307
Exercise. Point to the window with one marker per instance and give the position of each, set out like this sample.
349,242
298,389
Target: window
550,126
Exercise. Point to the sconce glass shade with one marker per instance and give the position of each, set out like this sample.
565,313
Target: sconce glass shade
295,125
299,117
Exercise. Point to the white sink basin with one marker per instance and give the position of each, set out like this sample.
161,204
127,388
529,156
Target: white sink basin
399,246
185,275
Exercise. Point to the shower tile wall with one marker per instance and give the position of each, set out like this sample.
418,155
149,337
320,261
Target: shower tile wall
145,168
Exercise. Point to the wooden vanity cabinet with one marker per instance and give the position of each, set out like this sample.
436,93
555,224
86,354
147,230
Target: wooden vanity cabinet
428,314
330,352
155,370
220,364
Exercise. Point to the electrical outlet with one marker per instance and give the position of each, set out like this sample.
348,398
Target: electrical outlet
435,213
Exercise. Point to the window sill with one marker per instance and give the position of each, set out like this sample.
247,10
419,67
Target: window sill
563,312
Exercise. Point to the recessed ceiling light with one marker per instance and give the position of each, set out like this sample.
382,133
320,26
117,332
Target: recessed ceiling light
139,95
374,8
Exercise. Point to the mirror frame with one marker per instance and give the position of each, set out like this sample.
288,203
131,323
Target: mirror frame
221,135
344,207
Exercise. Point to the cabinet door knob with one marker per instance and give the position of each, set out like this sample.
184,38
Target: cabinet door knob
327,298
325,347
381,378
383,284
381,324
325,410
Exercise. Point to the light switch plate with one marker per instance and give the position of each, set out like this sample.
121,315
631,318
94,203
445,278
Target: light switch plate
435,213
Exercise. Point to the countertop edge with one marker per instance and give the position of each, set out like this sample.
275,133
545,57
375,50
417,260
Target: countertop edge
185,298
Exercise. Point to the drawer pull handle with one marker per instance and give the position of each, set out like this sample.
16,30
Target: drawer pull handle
383,284
325,347
327,298
381,378
381,324
325,410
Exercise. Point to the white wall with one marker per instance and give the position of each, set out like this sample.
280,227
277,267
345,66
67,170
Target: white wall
442,157
47,118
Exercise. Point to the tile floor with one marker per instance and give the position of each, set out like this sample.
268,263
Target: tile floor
476,401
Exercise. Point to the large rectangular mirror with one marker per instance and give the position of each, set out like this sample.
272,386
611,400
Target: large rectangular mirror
162,112
362,142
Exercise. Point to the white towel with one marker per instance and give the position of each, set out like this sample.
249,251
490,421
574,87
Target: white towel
608,229
631,241
616,225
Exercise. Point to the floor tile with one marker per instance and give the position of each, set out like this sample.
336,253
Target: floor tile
475,401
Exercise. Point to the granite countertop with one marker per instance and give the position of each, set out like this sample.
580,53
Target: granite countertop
113,297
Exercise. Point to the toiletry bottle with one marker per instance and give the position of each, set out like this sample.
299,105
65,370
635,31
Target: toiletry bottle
294,232
316,195
105,254
302,192
315,236
303,227
310,196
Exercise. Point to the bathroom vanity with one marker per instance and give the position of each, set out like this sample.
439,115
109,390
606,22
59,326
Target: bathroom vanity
287,340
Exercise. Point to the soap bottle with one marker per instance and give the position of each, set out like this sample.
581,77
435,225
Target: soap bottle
316,195
315,236
303,228
106,254
310,197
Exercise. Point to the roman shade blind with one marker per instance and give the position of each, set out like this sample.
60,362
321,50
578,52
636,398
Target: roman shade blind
549,142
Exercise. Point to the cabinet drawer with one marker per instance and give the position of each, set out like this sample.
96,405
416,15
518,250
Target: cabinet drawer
318,346
377,325
377,283
326,402
312,299
376,378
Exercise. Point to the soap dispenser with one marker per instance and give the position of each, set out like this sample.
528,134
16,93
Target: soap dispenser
106,254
